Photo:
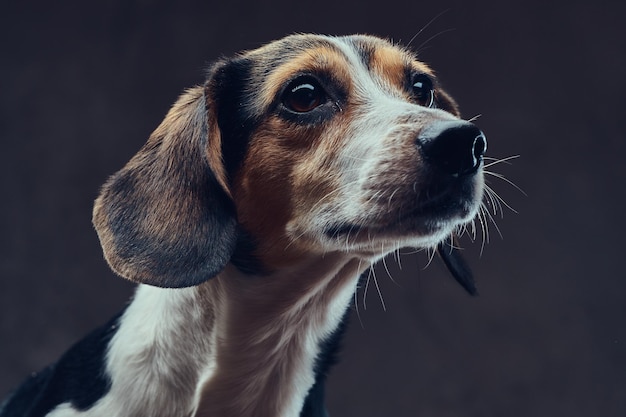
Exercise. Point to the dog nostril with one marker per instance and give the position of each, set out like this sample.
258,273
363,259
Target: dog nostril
479,148
456,148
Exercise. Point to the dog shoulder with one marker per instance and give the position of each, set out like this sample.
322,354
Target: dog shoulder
79,378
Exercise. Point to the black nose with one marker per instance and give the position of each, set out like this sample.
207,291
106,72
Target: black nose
456,147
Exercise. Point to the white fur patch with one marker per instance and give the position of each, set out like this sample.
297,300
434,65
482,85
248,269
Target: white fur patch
162,349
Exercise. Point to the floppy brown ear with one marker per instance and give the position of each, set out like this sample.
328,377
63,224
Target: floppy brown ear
166,218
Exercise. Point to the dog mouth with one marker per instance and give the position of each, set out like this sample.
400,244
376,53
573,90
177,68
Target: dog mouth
444,201
437,210
429,221
342,229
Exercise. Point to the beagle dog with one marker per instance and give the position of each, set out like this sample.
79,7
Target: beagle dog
247,219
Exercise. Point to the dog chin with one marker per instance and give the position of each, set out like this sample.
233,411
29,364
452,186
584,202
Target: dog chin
423,232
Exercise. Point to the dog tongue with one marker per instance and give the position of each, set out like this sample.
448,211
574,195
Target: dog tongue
457,266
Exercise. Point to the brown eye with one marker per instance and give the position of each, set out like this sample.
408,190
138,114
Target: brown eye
423,90
303,95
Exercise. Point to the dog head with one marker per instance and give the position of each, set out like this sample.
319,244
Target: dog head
309,145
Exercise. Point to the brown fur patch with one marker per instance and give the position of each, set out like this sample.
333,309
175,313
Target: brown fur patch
390,64
287,170
321,59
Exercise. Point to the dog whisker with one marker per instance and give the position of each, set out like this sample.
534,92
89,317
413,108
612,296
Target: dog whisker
397,256
380,294
474,229
366,288
501,200
391,196
384,261
473,119
356,301
499,160
430,22
431,255
491,200
503,178
493,220
422,47
483,227
492,205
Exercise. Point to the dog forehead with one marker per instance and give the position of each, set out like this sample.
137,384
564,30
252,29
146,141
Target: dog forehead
359,47
347,59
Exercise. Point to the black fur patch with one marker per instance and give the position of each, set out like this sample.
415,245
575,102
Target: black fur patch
235,123
79,378
226,84
314,404
243,256
365,51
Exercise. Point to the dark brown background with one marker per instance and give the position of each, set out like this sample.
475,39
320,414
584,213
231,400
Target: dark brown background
82,85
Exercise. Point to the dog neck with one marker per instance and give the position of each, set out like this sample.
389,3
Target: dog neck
270,332
237,345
